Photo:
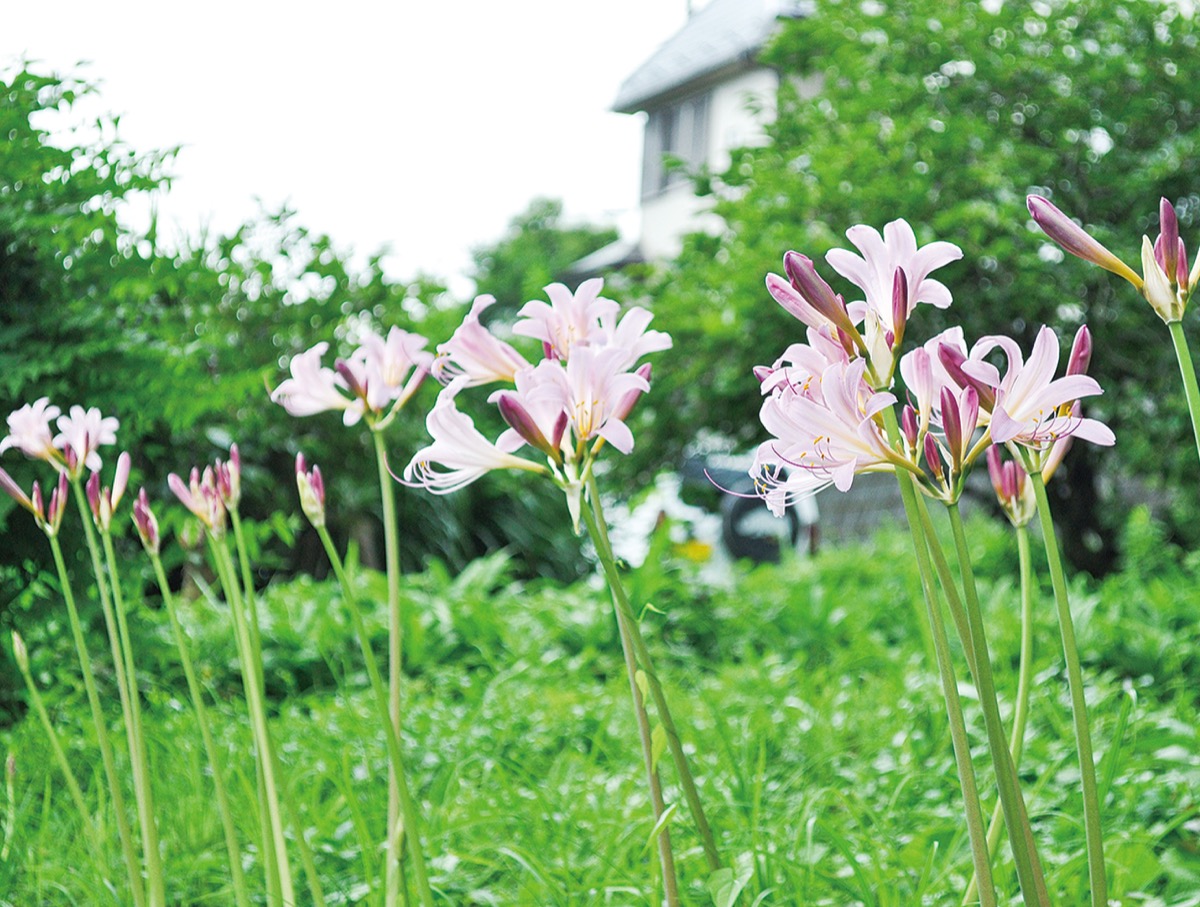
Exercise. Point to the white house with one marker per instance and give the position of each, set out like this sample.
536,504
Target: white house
702,93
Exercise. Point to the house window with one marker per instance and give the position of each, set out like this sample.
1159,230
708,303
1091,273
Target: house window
674,133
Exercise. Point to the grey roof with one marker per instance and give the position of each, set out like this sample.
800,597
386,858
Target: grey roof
725,34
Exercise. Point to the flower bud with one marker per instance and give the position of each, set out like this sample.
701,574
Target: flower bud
933,457
1081,352
20,653
312,492
147,525
1074,239
1157,288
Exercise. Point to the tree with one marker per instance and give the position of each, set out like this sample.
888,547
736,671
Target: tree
948,115
536,249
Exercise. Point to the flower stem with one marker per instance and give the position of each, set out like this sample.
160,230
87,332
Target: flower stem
132,867
1188,372
237,877
1016,742
686,780
1020,834
923,540
594,517
89,826
408,808
258,718
149,820
391,544
130,710
1083,737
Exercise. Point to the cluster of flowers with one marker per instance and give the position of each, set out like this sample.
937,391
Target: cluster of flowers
828,401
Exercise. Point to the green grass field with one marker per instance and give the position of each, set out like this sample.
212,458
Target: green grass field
814,720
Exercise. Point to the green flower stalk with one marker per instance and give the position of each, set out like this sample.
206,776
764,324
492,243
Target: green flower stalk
97,505
147,529
311,486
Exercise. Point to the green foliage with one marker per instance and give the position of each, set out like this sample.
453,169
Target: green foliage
536,250
819,733
948,115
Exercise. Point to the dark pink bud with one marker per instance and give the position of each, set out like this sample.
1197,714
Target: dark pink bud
933,457
93,494
9,486
1074,239
908,424
996,470
312,492
146,524
899,302
1168,237
1081,352
519,419
39,505
952,360
951,424
355,386
1181,274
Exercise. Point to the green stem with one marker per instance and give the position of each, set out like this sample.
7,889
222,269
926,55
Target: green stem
132,867
237,877
1083,737
674,744
1020,834
409,811
1016,742
149,821
258,719
949,587
1188,372
89,827
923,540
127,693
594,517
391,544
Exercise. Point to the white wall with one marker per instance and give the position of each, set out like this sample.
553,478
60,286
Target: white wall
738,111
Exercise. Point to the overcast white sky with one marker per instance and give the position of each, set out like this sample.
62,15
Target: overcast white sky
421,125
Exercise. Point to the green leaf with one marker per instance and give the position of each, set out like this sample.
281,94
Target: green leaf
725,885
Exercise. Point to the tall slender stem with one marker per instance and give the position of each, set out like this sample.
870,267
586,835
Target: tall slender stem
85,818
923,540
233,851
124,833
593,517
409,812
686,780
139,754
127,692
258,719
1187,371
1016,742
1083,737
391,544
949,587
1020,834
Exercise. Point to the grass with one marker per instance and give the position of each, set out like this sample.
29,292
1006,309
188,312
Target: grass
819,737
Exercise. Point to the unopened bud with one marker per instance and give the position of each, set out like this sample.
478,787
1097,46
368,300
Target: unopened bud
312,492
20,653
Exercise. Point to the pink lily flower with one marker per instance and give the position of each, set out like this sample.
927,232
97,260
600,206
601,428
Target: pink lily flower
596,385
201,497
29,430
314,388
875,272
1032,409
569,318
459,454
83,432
631,335
473,351
822,436
393,368
536,411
